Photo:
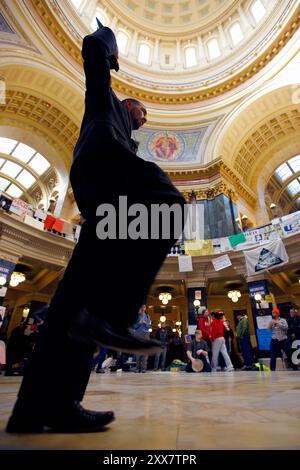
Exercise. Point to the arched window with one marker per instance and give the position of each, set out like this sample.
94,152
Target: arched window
292,166
213,49
144,54
294,187
236,33
20,166
283,172
122,40
258,10
190,56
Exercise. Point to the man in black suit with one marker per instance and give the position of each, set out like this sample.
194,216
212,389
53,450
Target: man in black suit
106,280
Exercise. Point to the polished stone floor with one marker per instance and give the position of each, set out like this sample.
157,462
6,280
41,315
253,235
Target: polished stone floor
168,410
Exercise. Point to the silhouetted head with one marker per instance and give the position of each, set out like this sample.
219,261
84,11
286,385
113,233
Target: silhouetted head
137,112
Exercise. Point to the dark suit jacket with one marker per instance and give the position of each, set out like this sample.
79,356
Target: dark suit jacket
105,164
102,107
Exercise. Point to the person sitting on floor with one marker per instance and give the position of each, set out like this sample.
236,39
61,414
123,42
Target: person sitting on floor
198,349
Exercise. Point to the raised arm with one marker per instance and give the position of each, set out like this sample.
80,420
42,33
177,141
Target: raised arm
100,54
97,71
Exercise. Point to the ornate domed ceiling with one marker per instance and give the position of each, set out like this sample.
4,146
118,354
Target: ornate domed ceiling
173,16
189,46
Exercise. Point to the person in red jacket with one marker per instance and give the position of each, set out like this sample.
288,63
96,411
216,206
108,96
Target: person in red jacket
204,324
218,341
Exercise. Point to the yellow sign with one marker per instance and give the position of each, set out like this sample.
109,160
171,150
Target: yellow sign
268,298
199,247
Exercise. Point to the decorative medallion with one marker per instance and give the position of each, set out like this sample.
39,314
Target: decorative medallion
166,146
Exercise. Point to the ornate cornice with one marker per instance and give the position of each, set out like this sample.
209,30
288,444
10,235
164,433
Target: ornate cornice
203,178
211,193
72,48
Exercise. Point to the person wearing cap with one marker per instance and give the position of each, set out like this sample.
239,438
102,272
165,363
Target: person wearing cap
112,266
198,350
279,341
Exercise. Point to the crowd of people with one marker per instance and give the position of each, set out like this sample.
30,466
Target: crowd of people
214,346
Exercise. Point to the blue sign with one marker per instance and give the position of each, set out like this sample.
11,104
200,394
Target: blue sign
264,337
6,269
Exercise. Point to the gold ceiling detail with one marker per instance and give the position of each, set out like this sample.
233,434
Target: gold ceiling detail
216,174
165,16
266,135
73,49
57,31
44,114
212,192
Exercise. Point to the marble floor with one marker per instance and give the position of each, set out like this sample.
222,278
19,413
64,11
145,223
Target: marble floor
167,410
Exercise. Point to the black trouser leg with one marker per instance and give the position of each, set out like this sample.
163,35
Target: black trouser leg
188,367
275,349
60,367
285,346
206,364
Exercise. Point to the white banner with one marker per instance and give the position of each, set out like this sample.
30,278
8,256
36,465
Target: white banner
34,222
39,214
185,264
221,263
19,207
271,255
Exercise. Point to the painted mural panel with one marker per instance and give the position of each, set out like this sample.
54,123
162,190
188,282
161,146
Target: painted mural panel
169,146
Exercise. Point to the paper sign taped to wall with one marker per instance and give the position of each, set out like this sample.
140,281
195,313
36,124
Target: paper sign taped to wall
185,264
221,263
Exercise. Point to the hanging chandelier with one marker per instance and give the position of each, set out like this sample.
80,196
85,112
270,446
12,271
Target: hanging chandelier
165,297
16,279
234,295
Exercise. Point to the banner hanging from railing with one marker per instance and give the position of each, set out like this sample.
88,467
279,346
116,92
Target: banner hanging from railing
265,257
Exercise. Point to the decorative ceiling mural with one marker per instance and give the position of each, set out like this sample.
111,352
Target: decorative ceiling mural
170,146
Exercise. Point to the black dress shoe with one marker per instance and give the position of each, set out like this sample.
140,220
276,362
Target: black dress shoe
90,329
75,419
